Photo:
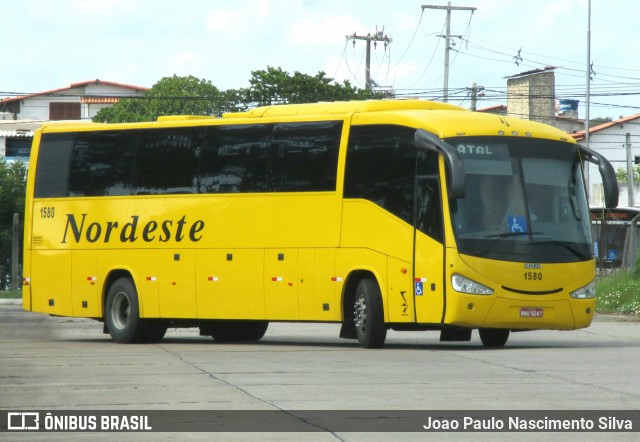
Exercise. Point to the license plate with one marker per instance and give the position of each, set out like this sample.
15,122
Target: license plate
531,312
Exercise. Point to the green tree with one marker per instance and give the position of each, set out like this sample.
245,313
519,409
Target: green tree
621,174
12,192
275,86
193,96
169,96
598,121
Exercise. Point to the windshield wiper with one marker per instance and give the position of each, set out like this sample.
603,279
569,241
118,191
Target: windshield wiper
510,234
496,238
567,246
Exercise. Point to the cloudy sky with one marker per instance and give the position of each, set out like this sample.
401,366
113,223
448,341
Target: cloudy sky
49,44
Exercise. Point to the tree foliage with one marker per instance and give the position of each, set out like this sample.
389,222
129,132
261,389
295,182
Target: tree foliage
275,86
621,174
192,96
169,96
12,192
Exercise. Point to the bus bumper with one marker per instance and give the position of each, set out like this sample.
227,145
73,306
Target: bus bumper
525,314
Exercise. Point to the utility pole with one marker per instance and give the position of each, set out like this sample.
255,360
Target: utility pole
473,92
631,191
448,8
370,38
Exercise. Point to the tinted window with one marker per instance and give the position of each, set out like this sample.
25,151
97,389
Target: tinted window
381,167
166,161
52,176
285,157
304,156
102,163
234,159
217,159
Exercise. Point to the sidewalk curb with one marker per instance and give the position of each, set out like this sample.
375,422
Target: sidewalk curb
10,301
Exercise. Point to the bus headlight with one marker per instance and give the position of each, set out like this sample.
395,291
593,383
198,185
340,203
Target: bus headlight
465,285
586,292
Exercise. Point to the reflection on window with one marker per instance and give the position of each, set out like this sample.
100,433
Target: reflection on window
304,156
381,165
284,157
166,161
102,163
234,159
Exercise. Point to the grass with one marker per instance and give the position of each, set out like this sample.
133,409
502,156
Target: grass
10,294
619,294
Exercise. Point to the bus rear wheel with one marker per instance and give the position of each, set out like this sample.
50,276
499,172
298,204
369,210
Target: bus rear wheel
122,314
369,315
494,337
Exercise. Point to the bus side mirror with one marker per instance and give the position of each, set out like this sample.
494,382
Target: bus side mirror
455,167
608,174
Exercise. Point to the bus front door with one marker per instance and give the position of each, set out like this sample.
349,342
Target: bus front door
428,251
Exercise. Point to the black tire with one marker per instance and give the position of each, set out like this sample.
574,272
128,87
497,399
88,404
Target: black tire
153,330
368,315
122,313
494,337
238,331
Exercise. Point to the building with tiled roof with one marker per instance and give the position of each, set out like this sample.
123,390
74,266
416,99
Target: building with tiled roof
21,115
615,140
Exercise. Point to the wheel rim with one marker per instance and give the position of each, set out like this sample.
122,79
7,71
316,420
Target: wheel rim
360,314
120,310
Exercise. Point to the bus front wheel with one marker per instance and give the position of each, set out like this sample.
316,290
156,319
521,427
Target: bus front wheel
494,337
369,315
122,314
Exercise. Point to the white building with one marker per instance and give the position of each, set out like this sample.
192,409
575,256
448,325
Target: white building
613,140
20,116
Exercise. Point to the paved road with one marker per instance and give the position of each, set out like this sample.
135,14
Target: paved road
64,363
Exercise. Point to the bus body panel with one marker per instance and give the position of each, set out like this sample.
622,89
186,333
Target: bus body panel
85,296
51,282
429,284
400,297
229,284
176,283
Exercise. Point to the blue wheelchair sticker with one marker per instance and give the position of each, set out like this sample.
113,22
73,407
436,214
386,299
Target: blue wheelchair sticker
517,224
419,288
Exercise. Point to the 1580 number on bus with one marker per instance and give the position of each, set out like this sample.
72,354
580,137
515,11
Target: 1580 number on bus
47,212
533,276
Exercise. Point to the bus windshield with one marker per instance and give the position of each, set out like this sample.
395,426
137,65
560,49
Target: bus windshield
524,201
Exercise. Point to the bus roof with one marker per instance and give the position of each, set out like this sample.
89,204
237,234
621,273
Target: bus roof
442,119
342,107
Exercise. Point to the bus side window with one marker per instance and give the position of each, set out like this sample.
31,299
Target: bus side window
102,163
381,167
54,157
304,156
166,161
234,159
428,201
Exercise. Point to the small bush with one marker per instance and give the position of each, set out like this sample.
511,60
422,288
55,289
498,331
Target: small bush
619,293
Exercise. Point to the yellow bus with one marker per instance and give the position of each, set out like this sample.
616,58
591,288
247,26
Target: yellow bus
376,215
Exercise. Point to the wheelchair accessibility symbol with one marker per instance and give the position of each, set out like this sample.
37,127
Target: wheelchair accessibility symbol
420,286
517,224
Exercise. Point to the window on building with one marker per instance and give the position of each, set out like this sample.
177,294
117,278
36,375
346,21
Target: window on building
64,111
18,147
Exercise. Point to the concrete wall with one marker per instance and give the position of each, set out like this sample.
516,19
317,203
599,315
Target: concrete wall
532,96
